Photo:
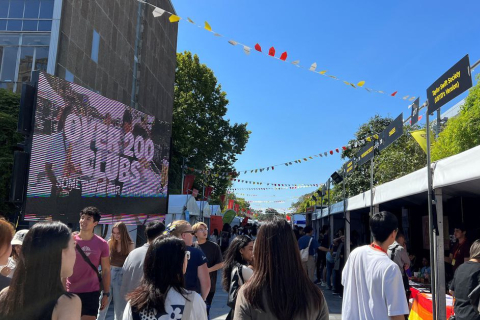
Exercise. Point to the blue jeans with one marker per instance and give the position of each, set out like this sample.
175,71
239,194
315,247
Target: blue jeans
330,266
116,274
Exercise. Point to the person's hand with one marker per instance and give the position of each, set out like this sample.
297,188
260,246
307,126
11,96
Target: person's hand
5,271
103,302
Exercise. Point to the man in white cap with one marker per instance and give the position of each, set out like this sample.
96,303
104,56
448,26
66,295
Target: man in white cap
17,243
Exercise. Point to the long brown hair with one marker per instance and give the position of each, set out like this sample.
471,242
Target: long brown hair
125,240
279,274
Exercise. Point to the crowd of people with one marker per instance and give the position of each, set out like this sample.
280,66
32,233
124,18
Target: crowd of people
48,272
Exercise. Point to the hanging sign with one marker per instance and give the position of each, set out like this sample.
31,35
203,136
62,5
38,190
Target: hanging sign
451,84
366,153
349,166
391,133
415,110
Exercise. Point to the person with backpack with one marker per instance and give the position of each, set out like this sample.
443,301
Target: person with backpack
308,246
237,268
92,252
398,254
225,237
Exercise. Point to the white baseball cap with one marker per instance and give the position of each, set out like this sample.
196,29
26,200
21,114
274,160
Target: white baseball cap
18,237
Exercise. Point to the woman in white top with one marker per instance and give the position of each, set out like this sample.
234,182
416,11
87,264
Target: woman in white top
161,294
238,256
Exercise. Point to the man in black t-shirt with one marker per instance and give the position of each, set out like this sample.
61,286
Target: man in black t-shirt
323,239
214,257
467,278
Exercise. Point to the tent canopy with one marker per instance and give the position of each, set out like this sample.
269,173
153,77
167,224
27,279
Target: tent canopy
207,211
176,202
408,185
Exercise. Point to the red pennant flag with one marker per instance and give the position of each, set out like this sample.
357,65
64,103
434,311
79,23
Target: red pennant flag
271,52
231,202
258,48
273,168
208,191
331,152
283,57
337,150
222,198
344,148
420,118
237,207
393,94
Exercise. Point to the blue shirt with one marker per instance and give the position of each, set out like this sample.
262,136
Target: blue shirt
303,243
197,259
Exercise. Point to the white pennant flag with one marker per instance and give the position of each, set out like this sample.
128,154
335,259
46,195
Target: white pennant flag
313,66
296,62
246,50
232,42
157,12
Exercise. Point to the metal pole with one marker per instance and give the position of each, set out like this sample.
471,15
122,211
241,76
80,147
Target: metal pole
437,127
430,223
183,173
344,199
202,206
371,186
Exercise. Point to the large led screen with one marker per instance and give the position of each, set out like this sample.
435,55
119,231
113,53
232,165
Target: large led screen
88,150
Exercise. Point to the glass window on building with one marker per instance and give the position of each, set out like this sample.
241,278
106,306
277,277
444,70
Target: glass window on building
20,54
95,45
26,15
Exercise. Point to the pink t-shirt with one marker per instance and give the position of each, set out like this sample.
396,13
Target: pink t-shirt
84,278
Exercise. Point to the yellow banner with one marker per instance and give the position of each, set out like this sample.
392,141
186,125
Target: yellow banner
421,137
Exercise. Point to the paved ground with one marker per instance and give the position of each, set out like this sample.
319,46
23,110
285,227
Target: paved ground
219,310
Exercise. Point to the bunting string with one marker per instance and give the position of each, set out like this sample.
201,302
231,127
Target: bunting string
271,53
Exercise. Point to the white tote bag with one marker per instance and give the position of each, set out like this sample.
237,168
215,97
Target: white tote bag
304,252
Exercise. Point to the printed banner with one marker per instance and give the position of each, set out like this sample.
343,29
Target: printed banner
451,84
415,110
366,153
349,167
188,183
391,133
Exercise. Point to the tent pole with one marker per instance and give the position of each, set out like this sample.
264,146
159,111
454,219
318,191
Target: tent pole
430,223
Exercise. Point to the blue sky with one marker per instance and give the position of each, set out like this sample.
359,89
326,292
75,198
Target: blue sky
399,46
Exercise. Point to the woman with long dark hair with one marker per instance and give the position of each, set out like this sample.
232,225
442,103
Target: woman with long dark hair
280,288
120,245
162,294
36,291
237,259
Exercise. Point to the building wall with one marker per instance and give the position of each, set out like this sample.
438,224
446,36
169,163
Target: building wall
115,22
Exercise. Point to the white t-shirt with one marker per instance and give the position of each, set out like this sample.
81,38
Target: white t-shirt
373,286
174,307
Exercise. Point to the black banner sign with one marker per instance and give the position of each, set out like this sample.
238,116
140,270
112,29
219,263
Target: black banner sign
392,132
366,153
451,84
415,110
349,167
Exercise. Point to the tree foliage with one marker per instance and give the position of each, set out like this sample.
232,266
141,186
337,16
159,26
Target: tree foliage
9,107
462,132
200,132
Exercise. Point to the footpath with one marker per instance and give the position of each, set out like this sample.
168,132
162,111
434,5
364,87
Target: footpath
219,310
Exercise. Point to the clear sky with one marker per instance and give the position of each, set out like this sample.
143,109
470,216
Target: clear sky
393,46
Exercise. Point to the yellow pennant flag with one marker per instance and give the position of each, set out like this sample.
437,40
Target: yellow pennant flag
361,84
174,18
369,139
323,72
421,137
207,26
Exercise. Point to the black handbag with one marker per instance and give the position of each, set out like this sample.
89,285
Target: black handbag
235,286
87,260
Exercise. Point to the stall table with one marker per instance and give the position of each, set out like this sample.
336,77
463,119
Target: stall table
422,302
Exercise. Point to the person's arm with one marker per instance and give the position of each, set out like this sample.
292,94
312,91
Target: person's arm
394,291
204,277
405,260
67,308
449,259
131,247
105,262
323,249
216,267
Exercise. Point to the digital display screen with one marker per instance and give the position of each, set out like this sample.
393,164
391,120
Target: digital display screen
88,150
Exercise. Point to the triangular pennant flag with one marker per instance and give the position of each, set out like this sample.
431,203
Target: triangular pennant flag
369,90
174,18
273,168
296,62
331,151
412,98
313,66
337,150
232,42
283,57
310,157
207,26
361,84
344,148
305,159
321,155
405,98
325,153
353,85
217,35
157,12
333,77
323,72
394,94
246,50
271,52
258,48
369,139
347,83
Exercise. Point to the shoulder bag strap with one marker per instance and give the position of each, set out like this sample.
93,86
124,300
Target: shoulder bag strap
87,260
188,307
392,255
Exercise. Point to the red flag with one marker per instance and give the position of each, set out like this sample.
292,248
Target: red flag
271,52
393,94
222,198
337,150
258,48
273,168
237,207
208,192
194,193
245,221
344,148
331,152
283,57
188,183
289,218
231,202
